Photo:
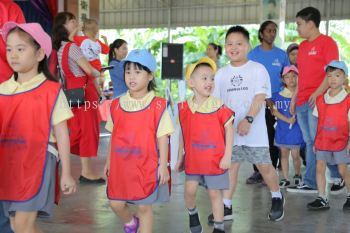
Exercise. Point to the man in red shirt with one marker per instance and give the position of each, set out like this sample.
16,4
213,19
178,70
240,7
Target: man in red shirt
316,51
9,11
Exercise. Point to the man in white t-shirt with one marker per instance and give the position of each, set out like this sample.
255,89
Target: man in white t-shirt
244,85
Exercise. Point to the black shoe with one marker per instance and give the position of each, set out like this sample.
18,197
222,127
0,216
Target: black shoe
195,224
218,231
284,183
338,187
255,178
302,188
318,204
297,180
277,209
346,205
228,216
84,180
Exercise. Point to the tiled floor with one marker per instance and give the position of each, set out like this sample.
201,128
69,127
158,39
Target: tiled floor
87,211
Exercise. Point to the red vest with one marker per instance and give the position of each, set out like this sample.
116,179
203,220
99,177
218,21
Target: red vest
25,124
134,155
333,127
72,81
204,139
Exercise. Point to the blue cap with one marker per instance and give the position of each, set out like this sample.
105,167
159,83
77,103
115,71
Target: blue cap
143,57
338,64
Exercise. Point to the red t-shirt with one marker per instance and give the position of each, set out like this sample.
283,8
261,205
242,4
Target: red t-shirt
9,11
312,57
92,50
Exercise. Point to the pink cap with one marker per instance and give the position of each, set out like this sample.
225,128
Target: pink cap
33,29
288,69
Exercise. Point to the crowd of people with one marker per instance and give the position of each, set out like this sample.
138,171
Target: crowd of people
291,99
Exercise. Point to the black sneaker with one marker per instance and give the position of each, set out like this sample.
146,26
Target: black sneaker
297,180
277,209
338,187
195,224
284,183
228,216
302,188
318,204
346,205
218,231
255,178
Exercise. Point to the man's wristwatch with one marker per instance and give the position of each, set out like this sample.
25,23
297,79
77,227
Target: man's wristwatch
250,119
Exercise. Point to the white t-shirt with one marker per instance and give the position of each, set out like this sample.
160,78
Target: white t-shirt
236,87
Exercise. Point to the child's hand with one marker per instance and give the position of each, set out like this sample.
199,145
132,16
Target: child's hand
225,162
68,185
291,120
163,174
180,166
243,127
106,169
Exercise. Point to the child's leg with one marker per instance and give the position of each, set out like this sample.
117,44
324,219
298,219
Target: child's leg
215,196
24,222
146,218
343,171
296,160
321,177
121,209
268,172
191,187
284,162
233,172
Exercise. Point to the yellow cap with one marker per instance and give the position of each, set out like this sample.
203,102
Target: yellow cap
207,60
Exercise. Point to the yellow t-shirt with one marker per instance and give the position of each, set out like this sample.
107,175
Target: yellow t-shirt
333,100
130,104
61,111
211,104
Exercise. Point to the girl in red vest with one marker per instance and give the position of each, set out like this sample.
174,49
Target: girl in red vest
206,144
137,166
332,137
33,117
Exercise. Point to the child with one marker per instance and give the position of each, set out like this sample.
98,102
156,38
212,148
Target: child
288,135
90,45
244,85
137,167
34,114
331,142
206,125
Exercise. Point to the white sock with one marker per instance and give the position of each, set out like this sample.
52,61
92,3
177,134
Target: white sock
227,202
277,194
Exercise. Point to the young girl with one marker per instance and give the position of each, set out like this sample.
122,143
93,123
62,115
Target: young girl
137,167
117,52
288,136
34,114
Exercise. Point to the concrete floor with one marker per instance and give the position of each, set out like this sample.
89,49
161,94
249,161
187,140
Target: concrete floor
88,212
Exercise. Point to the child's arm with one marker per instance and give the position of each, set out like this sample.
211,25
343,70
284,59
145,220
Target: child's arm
163,173
225,162
280,116
108,164
258,102
68,184
179,167
104,38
